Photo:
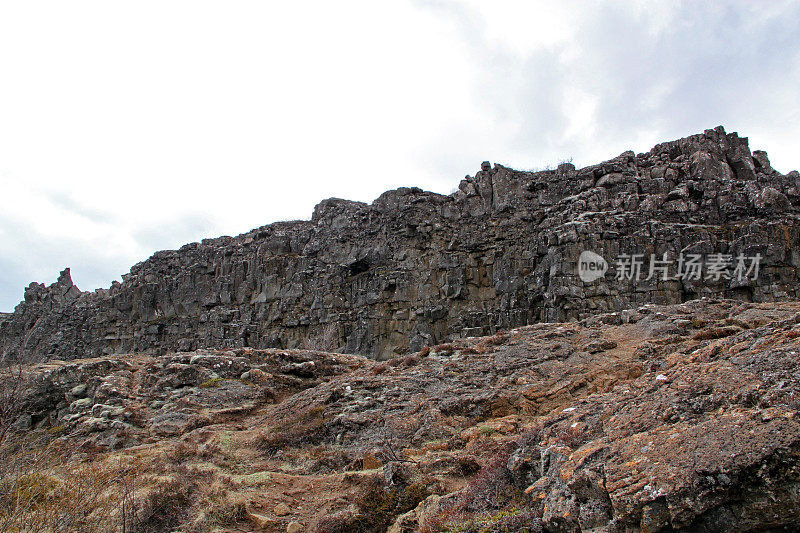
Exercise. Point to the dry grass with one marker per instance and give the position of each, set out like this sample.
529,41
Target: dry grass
716,333
377,506
196,500
490,502
473,350
45,486
307,427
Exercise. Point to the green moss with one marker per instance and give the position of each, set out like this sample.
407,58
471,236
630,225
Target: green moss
257,478
211,383
488,523
225,438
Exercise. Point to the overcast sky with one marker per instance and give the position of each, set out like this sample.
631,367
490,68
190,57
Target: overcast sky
131,127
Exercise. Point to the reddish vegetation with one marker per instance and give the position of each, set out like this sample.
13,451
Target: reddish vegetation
550,427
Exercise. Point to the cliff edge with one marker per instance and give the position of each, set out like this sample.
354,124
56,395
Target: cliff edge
416,268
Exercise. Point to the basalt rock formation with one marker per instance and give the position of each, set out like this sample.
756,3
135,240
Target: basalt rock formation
416,268
655,419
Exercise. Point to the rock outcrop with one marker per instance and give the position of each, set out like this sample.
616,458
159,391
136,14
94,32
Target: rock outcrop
658,418
416,268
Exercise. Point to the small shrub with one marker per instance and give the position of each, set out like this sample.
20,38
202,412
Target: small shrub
572,437
411,360
166,507
44,486
380,505
329,460
444,349
488,503
325,340
380,368
493,488
498,338
220,511
181,452
307,427
34,488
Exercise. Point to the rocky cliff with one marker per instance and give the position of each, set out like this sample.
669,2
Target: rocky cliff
416,268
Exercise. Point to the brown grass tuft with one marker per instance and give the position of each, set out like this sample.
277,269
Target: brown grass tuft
306,427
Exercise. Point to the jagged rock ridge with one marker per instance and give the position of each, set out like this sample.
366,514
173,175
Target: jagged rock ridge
416,268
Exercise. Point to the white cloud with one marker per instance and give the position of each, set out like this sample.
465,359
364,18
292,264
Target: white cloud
129,127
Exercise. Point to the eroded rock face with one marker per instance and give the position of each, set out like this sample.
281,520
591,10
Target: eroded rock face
120,401
416,268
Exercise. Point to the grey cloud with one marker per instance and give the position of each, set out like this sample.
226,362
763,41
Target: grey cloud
716,63
66,202
175,232
13,284
721,65
718,70
27,255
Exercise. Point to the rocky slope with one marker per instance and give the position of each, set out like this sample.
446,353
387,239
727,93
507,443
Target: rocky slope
658,418
416,268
